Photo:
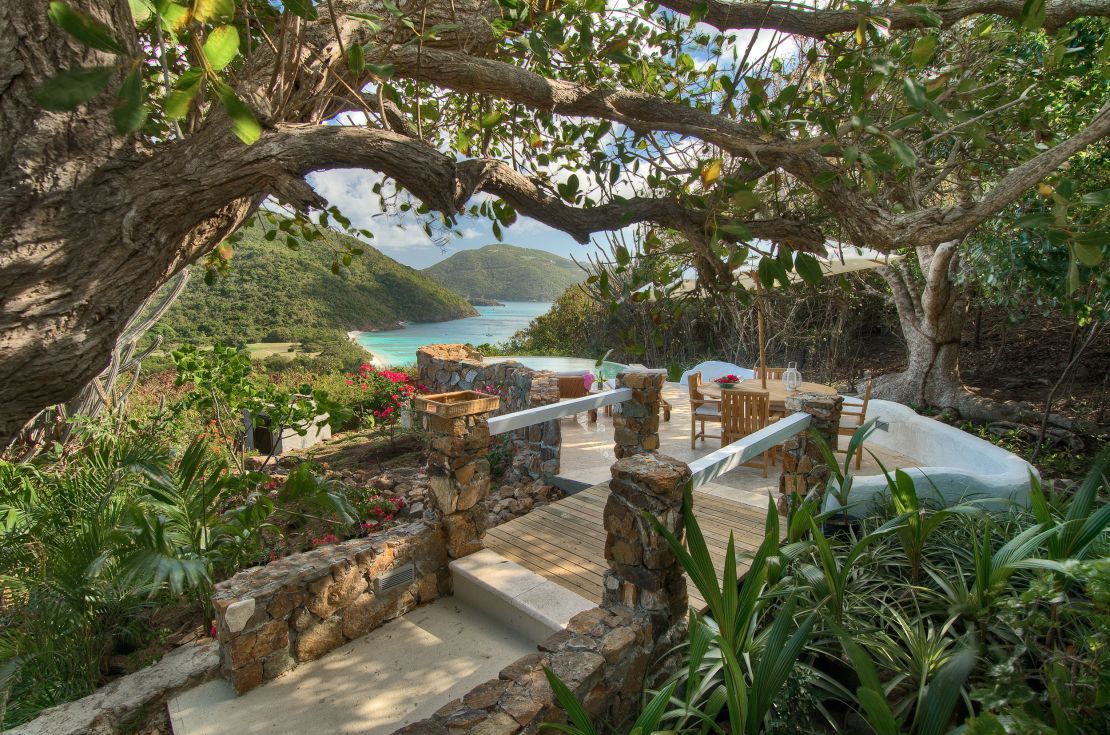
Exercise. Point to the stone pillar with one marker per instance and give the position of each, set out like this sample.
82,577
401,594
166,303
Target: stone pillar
459,473
644,575
803,466
637,421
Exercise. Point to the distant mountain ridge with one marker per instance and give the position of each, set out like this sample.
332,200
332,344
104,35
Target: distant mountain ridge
507,273
276,294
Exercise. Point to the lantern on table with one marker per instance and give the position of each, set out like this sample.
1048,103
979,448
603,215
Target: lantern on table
791,378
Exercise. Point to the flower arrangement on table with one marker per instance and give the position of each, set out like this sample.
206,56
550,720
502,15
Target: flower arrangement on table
728,381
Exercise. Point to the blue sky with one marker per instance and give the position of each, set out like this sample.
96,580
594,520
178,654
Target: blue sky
402,237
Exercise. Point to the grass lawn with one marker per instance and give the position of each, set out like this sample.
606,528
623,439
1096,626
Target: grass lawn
262,350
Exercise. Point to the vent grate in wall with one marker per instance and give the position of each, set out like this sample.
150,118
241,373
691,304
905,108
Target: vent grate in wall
881,425
394,578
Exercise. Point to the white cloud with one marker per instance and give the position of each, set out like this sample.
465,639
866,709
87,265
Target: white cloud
351,190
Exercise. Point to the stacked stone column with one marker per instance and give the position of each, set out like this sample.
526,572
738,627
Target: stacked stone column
803,465
636,421
644,575
459,475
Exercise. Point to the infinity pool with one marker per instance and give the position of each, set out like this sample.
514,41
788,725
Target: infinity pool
563,364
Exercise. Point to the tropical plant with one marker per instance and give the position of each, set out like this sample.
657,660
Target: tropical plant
917,522
936,705
222,384
919,622
1083,520
182,535
840,483
732,666
69,599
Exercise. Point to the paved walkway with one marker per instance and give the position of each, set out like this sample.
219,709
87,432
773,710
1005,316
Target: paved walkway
399,673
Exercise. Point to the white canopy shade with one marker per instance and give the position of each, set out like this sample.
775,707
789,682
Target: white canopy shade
838,258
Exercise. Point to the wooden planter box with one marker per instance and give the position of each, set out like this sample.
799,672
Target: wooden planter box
458,403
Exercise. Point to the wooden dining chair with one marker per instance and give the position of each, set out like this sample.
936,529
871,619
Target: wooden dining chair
856,414
745,412
773,373
702,409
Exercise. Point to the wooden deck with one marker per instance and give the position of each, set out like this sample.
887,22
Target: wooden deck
565,541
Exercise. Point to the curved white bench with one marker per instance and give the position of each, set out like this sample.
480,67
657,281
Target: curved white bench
955,465
713,369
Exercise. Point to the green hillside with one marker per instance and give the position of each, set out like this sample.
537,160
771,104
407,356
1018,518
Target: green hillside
275,294
507,272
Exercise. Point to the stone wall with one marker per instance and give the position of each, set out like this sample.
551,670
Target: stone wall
803,464
122,705
298,608
603,656
636,421
458,474
607,654
535,449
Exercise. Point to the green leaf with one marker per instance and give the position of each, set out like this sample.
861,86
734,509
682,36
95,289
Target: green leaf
174,17
924,15
221,46
141,10
356,59
130,110
943,693
84,28
205,10
244,124
181,98
374,21
809,268
1033,14
73,87
621,253
490,119
1073,276
915,93
736,230
1096,198
825,180
1088,250
301,8
381,71
923,49
570,704
906,121
1032,221
902,152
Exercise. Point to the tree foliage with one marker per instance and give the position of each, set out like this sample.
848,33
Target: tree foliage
887,126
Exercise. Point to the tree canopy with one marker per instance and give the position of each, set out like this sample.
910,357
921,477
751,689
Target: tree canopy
138,136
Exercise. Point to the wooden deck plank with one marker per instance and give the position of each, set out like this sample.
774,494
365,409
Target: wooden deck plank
713,525
565,541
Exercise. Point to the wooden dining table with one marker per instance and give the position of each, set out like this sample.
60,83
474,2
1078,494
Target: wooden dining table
776,391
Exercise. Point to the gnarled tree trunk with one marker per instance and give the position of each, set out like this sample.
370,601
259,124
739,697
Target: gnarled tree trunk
932,320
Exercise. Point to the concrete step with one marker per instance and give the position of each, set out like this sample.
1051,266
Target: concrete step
517,597
395,675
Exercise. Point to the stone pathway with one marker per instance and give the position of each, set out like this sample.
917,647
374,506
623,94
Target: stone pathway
398,674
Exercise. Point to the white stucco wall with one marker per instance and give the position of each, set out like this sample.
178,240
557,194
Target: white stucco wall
955,464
